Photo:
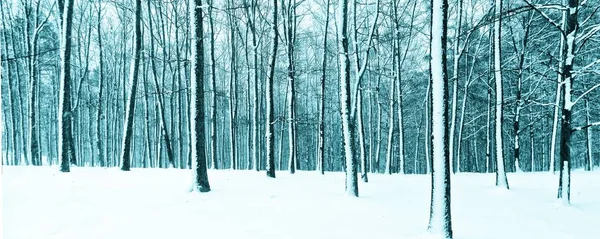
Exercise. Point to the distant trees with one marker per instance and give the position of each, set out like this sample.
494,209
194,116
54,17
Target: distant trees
278,108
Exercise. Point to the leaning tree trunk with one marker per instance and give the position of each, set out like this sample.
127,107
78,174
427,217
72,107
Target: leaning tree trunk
347,125
198,130
440,222
128,127
64,105
501,180
269,127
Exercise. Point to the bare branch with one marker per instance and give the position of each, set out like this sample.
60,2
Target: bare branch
586,126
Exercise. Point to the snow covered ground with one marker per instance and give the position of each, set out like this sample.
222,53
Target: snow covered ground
40,202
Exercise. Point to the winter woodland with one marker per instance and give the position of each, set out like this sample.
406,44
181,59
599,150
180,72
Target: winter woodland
438,95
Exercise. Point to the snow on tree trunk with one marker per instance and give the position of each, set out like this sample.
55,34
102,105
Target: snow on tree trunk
588,136
391,125
457,55
213,76
344,77
100,87
559,88
64,105
133,79
269,127
361,136
321,140
198,130
501,180
440,222
564,184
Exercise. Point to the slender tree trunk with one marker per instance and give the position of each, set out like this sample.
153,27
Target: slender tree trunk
198,130
391,126
269,127
361,134
64,105
457,55
559,94
290,34
213,76
233,79
99,115
321,141
501,180
128,126
589,166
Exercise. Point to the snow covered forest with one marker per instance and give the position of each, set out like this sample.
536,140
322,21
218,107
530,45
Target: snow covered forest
367,90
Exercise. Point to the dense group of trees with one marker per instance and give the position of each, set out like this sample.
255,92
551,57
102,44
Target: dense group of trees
261,85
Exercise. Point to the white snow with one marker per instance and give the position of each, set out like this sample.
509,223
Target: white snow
40,202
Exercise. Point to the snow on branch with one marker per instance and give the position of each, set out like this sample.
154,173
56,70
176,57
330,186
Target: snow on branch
538,8
587,126
585,93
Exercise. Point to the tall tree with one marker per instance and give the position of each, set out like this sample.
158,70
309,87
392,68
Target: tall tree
100,87
501,180
440,222
269,114
198,130
344,78
133,80
321,140
64,105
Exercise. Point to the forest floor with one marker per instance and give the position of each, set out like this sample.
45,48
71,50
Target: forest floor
40,202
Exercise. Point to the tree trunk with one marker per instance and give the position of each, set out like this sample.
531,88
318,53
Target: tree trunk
457,55
198,130
501,180
64,105
347,125
128,126
321,141
440,222
269,127
589,166
571,28
361,135
99,116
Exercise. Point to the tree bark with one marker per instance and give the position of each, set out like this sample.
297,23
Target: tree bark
440,222
269,114
501,180
198,130
64,105
128,126
344,78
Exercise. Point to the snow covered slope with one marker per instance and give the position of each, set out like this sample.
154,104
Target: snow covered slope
40,202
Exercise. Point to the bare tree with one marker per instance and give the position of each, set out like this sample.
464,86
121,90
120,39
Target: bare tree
440,222
347,124
64,105
269,128
198,130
